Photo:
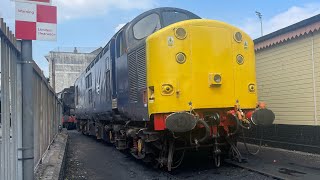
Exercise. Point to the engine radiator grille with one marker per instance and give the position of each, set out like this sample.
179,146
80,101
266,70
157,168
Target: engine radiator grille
136,73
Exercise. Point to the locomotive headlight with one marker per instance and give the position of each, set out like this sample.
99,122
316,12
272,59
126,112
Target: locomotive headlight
180,33
217,78
181,58
252,88
237,37
240,59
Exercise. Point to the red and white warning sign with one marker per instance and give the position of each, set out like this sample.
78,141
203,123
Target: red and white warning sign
46,2
36,22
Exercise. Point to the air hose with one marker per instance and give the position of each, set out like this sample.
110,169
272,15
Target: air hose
237,127
245,143
239,124
207,133
206,126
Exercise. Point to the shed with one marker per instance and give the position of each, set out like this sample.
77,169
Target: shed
288,77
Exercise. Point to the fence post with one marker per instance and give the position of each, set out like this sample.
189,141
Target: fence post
27,111
19,116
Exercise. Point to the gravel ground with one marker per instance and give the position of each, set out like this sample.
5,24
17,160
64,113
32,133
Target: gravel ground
89,159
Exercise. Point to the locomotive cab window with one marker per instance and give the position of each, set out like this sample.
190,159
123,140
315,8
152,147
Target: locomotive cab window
90,96
89,81
107,64
120,44
171,17
146,26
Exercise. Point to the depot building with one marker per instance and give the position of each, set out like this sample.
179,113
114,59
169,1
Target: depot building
288,77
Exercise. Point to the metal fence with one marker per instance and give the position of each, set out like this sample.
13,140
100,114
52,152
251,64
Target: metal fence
47,114
30,110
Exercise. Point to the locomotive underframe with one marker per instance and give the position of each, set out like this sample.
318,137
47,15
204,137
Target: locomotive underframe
165,148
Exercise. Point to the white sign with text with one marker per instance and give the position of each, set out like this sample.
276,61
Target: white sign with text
44,2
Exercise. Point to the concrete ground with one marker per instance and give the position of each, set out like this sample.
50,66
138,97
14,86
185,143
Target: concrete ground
89,159
52,166
282,163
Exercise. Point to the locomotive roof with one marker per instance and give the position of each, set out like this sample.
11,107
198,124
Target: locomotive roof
128,28
158,11
162,9
129,25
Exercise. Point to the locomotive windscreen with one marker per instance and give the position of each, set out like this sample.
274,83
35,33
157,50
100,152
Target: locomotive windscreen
171,17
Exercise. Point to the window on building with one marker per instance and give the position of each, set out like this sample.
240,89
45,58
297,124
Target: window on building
171,17
146,26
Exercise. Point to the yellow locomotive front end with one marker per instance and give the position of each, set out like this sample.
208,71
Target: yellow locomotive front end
199,65
201,86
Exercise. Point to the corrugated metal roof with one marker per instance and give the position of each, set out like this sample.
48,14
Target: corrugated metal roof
303,27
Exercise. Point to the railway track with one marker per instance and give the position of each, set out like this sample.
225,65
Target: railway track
256,170
177,176
170,176
229,163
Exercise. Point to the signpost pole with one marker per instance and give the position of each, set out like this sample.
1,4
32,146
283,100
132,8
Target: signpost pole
27,111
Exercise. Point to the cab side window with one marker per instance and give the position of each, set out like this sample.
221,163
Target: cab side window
120,44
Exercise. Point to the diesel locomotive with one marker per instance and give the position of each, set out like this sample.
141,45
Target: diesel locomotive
168,82
66,96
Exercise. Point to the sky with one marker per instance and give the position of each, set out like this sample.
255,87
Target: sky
91,23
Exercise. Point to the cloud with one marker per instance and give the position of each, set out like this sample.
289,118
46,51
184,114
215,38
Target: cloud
7,12
292,15
119,27
72,9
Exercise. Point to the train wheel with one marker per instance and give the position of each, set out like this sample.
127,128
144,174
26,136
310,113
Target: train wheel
111,138
140,146
85,129
217,161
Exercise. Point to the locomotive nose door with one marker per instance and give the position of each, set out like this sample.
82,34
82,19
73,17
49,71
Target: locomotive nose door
212,67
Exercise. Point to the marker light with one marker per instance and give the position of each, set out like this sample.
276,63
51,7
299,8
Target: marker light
217,78
240,59
237,37
180,33
181,58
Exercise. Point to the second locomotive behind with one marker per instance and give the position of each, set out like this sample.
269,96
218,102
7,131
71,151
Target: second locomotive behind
169,81
66,96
